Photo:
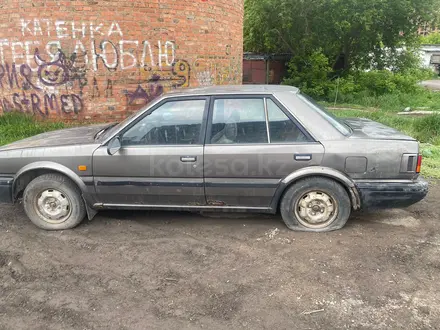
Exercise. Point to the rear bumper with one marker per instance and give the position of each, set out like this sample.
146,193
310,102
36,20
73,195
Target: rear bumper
392,194
6,189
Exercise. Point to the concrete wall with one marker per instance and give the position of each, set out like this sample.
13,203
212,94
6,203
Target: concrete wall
104,59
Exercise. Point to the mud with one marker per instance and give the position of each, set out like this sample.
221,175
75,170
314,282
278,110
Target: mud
165,270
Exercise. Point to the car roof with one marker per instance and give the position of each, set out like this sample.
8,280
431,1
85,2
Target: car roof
233,89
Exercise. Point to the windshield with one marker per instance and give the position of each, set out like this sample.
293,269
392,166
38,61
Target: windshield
118,126
336,122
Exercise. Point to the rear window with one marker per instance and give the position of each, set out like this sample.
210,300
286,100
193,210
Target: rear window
336,122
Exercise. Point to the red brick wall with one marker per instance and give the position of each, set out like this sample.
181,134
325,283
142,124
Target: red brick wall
104,59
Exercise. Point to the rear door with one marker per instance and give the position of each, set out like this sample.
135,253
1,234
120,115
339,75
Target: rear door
251,144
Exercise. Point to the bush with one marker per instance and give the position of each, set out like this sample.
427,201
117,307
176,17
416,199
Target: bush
380,82
392,89
314,75
377,82
310,74
430,39
385,89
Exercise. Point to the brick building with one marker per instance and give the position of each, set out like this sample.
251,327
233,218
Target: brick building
103,59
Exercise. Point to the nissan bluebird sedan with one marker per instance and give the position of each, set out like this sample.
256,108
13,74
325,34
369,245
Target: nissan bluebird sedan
230,148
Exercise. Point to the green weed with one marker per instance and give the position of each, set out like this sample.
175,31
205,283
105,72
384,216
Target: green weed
17,126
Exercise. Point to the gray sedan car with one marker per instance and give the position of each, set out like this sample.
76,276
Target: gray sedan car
231,148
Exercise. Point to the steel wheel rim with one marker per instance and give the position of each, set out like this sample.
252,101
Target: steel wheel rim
316,209
53,206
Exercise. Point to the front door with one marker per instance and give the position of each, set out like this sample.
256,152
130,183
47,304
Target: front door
161,159
252,144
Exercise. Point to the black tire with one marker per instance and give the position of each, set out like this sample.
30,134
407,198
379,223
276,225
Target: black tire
69,206
305,189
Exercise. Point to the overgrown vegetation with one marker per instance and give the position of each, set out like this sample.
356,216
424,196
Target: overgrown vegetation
390,90
351,34
430,39
431,161
348,51
17,126
385,91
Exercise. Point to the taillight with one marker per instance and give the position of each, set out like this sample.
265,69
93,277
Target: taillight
419,164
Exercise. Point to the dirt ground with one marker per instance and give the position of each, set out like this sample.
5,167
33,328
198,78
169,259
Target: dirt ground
431,84
164,270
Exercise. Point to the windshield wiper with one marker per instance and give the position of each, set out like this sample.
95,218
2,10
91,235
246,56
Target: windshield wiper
105,129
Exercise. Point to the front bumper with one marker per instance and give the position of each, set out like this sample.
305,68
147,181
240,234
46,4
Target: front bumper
6,189
391,194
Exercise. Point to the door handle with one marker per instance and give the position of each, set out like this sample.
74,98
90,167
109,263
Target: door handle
188,159
302,157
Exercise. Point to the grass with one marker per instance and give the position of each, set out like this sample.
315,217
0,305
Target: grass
431,161
16,126
393,102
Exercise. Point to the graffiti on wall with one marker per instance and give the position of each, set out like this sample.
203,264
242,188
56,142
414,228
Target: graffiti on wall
178,75
34,90
83,61
100,49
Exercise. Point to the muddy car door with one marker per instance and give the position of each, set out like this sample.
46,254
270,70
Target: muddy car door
252,143
160,160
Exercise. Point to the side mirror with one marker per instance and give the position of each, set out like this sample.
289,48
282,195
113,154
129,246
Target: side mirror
114,146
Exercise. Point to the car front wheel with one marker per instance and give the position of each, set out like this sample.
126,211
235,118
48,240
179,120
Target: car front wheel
53,202
315,204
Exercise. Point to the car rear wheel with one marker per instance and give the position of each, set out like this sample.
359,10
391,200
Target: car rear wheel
315,204
53,202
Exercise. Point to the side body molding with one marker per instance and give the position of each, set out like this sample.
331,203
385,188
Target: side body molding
55,167
323,172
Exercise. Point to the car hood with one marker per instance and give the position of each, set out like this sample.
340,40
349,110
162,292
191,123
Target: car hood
64,137
368,129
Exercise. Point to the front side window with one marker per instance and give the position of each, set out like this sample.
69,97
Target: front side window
173,123
282,128
239,121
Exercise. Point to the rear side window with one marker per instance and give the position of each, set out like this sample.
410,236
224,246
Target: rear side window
337,123
282,128
239,121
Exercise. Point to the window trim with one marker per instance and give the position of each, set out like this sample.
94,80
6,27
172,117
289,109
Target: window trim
266,113
264,97
310,138
157,106
211,116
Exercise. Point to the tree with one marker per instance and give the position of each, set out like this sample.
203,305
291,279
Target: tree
350,33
